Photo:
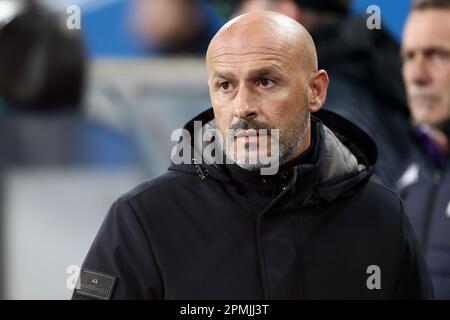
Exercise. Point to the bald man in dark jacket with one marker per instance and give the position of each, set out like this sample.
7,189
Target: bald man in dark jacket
316,228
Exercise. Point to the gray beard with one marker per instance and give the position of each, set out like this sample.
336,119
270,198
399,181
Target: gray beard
289,142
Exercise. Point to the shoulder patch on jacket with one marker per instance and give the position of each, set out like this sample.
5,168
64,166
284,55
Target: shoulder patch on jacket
95,284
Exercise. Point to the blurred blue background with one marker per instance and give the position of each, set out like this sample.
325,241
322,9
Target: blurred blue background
106,28
61,168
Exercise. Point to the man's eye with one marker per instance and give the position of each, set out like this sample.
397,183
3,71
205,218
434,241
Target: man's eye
442,54
408,56
225,85
266,83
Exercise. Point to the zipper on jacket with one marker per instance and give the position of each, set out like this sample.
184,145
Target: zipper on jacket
436,181
259,243
201,172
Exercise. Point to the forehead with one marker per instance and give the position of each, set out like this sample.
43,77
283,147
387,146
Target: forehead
253,62
241,53
248,54
427,28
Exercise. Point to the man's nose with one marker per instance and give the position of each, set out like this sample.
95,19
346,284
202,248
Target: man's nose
418,72
245,104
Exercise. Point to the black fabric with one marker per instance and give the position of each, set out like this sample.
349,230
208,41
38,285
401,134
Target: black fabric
366,86
42,64
196,233
427,203
445,128
346,47
336,6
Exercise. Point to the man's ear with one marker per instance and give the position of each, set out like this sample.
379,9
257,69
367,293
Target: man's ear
318,85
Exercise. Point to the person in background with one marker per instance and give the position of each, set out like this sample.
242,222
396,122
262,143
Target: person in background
246,6
42,64
425,181
175,26
42,84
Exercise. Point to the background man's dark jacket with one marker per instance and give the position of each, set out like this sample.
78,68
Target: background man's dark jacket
366,87
425,187
310,232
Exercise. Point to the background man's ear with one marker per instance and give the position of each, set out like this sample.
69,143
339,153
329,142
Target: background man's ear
318,86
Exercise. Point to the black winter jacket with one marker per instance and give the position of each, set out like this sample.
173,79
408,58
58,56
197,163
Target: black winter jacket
316,230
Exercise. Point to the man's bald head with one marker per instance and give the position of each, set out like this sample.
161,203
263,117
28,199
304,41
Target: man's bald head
262,69
265,29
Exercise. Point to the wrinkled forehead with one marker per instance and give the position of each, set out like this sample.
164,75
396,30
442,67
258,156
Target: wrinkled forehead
263,50
248,53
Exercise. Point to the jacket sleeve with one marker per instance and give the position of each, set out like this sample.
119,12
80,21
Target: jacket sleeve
122,251
414,282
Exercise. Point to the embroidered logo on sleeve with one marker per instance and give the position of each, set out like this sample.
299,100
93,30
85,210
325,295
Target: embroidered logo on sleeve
95,284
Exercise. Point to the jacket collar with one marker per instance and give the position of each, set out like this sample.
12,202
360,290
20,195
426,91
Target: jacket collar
345,158
270,186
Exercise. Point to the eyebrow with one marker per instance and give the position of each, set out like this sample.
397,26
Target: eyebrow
252,75
264,72
223,75
426,50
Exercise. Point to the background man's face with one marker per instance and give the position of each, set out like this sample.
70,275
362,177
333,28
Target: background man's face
259,84
426,69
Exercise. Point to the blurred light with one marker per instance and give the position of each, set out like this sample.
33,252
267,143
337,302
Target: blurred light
10,9
86,5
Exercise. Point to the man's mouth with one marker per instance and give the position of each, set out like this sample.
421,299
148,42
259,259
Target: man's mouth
248,136
428,98
251,136
247,133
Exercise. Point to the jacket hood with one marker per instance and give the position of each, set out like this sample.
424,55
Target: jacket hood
346,154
